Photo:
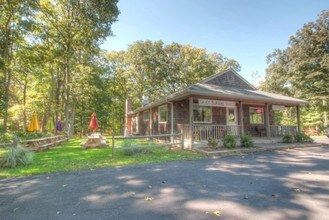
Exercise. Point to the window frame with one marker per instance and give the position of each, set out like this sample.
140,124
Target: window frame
148,115
159,117
204,122
252,109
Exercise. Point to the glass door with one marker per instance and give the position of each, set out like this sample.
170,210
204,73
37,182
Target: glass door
231,116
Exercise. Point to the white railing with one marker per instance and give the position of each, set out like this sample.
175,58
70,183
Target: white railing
280,130
205,132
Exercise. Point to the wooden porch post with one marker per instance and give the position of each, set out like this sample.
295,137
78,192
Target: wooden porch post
172,122
241,119
298,119
191,122
267,120
151,122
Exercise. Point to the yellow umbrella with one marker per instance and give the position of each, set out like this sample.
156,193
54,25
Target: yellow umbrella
34,124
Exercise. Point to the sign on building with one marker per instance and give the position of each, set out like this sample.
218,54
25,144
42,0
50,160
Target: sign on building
278,107
216,103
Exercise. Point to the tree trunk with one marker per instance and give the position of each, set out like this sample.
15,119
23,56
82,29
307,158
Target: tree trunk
57,98
72,120
7,72
24,105
47,112
67,98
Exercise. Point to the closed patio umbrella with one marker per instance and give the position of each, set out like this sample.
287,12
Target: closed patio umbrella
59,126
50,125
93,125
34,123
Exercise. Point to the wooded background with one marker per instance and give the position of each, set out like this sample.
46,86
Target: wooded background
51,64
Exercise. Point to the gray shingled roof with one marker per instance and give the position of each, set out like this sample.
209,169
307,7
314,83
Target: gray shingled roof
216,91
242,94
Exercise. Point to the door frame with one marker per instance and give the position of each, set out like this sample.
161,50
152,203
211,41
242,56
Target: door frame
235,116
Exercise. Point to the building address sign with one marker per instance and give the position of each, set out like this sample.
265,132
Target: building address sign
216,103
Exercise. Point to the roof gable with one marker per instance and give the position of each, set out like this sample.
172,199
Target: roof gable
229,78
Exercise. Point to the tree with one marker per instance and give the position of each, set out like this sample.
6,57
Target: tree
14,22
76,28
308,56
158,69
302,69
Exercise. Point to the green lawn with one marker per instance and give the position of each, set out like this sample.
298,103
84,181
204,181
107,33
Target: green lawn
70,156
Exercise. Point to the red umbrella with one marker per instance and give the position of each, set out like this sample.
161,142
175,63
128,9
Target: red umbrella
93,125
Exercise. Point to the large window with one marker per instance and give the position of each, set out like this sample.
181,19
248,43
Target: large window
146,115
202,114
256,115
163,113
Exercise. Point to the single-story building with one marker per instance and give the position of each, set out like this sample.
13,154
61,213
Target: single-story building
220,104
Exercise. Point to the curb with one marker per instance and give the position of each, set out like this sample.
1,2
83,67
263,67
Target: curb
255,149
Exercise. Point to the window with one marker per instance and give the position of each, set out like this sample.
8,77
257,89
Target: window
231,116
163,112
202,114
256,115
146,115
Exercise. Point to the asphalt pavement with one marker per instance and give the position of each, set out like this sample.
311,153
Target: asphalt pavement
287,184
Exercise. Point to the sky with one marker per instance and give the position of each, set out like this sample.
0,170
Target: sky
244,30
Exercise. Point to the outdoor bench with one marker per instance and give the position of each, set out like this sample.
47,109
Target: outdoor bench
44,143
94,141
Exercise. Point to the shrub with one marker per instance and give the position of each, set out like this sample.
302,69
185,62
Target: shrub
287,138
16,156
302,138
213,143
5,137
128,142
135,151
30,135
246,141
229,141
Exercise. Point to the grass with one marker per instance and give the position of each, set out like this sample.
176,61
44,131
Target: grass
70,157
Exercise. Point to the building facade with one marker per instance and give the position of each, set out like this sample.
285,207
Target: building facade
222,104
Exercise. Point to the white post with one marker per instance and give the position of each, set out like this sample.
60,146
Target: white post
298,119
151,121
241,118
267,121
172,122
191,122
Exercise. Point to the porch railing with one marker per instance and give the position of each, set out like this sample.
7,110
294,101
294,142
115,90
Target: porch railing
280,130
205,132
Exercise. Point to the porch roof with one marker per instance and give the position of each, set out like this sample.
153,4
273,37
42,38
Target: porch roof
230,93
243,94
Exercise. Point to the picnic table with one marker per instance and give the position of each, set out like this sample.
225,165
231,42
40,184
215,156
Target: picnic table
94,141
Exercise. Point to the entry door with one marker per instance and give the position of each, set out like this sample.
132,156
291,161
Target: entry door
231,116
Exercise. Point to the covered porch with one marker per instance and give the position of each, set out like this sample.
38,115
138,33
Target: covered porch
214,118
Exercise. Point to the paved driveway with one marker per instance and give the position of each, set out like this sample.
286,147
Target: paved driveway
289,184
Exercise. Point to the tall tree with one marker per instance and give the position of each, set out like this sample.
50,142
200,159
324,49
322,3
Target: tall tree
302,69
14,17
158,69
77,27
308,56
